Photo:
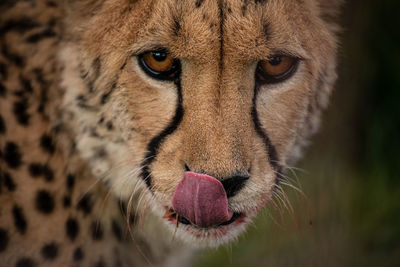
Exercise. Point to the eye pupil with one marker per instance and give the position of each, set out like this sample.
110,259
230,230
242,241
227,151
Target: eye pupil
159,56
159,64
276,69
275,61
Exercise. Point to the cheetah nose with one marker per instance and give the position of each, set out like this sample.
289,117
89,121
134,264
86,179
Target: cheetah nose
202,200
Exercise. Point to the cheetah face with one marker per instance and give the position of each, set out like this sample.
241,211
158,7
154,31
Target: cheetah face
191,109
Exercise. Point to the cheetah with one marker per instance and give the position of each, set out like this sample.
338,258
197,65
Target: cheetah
136,132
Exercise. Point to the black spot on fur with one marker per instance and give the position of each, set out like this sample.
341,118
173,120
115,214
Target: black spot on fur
25,262
19,219
260,1
177,27
46,142
43,90
72,228
48,173
2,90
12,57
2,126
109,125
47,33
116,230
50,251
101,120
44,202
3,72
51,4
97,231
199,3
100,263
1,180
70,181
4,238
244,9
20,109
9,182
266,31
19,25
85,204
66,201
78,254
105,97
26,85
12,156
35,169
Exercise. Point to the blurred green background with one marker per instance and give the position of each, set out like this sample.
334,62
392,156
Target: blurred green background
350,214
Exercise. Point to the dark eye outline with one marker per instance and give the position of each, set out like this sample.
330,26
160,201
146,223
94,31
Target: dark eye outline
264,78
169,75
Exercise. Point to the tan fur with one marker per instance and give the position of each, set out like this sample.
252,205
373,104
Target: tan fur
102,111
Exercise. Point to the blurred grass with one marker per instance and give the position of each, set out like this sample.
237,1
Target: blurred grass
351,213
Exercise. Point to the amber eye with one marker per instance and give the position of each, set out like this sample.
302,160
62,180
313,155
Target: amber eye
278,68
159,64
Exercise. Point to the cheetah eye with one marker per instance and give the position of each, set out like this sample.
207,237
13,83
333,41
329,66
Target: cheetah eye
159,65
277,69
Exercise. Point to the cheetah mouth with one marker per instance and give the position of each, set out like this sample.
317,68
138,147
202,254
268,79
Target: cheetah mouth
200,202
176,219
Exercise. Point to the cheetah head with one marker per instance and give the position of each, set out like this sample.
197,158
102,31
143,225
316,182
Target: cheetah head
192,109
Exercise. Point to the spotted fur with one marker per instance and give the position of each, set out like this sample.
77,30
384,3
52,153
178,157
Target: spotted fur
92,149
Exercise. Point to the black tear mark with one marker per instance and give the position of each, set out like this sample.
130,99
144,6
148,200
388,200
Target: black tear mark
270,148
156,142
47,33
19,219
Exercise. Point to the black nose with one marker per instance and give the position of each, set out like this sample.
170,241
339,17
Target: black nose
233,184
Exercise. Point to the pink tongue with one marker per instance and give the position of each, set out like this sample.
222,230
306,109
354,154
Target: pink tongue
202,200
